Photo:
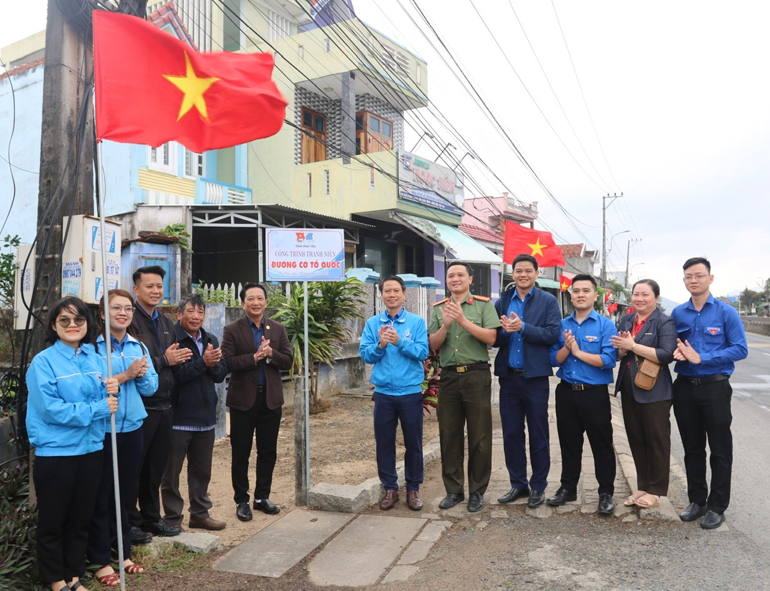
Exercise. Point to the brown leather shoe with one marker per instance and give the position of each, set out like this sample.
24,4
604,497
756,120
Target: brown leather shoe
413,500
389,500
208,523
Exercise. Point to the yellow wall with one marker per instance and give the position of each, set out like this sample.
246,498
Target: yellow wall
350,189
152,180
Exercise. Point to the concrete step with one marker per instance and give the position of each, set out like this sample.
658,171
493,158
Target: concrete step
283,543
364,550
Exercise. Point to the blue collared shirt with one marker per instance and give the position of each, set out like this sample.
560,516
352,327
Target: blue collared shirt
258,332
198,340
593,336
715,332
516,340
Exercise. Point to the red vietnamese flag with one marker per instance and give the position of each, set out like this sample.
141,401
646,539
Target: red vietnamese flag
564,282
521,240
152,88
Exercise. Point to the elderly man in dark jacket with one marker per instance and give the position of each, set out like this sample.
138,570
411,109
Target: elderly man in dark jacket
195,416
530,321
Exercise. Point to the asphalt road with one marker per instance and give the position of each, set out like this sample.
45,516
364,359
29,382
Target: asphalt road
749,512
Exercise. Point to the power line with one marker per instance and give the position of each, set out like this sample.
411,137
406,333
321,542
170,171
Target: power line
585,102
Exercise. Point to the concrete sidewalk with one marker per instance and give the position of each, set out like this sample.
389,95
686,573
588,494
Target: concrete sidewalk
379,547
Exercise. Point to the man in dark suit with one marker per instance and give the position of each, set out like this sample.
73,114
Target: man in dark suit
530,322
255,349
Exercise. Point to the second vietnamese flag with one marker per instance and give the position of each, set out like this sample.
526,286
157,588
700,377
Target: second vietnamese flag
152,88
521,240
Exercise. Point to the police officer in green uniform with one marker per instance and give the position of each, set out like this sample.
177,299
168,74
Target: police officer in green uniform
462,327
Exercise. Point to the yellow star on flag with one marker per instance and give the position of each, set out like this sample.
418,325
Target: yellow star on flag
193,89
564,286
537,248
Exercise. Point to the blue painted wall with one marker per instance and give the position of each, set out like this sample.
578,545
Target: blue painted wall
25,151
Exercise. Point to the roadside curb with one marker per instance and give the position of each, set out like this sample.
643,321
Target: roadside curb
347,498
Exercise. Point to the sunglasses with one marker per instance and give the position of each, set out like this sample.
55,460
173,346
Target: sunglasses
64,322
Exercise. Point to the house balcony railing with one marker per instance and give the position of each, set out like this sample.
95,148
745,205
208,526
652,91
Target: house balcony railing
211,192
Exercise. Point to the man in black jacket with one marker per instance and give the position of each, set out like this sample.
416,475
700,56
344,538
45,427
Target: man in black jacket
195,416
157,333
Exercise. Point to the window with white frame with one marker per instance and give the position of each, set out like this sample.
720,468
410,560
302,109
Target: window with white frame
163,158
194,164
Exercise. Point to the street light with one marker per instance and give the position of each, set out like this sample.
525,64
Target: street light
613,238
429,134
629,272
460,161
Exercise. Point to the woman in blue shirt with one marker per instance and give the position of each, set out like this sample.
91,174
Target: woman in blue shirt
67,409
137,378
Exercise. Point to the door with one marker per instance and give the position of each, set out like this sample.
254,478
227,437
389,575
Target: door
313,136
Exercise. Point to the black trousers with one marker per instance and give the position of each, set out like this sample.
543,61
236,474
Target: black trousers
585,411
103,534
648,427
243,424
156,431
66,488
703,411
198,448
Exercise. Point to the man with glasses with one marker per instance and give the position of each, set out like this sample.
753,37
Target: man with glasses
711,339
530,322
156,331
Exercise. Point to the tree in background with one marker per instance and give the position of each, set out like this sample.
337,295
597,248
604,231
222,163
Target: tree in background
332,306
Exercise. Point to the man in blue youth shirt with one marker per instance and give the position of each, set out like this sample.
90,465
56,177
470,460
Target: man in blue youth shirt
396,344
711,339
530,325
585,356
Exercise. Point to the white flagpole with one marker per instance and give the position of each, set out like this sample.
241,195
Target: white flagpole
108,346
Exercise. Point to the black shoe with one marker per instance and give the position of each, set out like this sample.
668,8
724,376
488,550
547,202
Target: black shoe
139,537
693,511
163,529
451,500
243,512
561,497
513,494
475,502
536,498
712,520
606,504
266,506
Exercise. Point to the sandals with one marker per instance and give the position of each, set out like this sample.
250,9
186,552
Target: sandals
134,569
640,502
631,500
130,569
110,580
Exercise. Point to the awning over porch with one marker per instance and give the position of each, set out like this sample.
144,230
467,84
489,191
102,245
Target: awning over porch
457,243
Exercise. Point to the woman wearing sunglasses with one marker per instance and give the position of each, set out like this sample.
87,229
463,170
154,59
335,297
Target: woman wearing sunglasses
69,402
137,377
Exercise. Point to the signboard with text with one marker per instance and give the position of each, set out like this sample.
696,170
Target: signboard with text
304,254
430,184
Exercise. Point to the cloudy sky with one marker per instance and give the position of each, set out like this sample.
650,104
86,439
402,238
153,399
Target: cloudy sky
678,93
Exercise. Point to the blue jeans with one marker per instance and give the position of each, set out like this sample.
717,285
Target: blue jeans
522,398
387,412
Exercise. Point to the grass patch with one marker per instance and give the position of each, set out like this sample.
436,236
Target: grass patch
170,559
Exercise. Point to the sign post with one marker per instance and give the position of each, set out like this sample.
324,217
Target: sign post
305,254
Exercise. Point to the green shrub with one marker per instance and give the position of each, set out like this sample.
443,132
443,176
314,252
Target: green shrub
18,557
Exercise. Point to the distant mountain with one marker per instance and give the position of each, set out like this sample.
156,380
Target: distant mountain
668,305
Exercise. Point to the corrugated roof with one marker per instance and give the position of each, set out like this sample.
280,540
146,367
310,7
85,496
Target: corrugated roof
480,233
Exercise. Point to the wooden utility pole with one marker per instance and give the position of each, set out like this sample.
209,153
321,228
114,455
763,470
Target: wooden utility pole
66,157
